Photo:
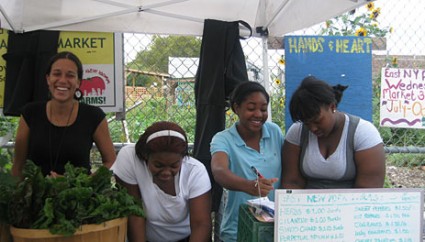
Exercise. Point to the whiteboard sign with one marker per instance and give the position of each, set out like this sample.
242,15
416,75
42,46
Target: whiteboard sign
358,215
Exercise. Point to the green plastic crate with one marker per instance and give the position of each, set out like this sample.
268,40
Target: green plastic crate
252,230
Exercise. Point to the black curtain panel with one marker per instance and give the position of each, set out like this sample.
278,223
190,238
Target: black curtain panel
221,68
26,61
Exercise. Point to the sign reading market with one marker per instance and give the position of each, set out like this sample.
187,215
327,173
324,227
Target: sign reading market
402,102
101,55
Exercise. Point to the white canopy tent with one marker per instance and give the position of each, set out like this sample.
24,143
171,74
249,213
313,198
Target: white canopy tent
272,18
181,17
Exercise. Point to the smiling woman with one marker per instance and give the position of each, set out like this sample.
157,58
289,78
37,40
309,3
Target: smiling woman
49,131
174,187
250,142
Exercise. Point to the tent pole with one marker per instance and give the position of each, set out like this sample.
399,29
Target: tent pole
266,76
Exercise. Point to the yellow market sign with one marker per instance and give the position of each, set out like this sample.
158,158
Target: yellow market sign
101,55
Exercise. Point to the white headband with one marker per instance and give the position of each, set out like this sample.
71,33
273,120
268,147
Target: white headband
163,133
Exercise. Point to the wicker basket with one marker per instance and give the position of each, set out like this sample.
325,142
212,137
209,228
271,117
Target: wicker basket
111,231
5,233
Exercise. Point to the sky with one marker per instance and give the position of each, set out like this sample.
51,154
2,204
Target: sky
406,18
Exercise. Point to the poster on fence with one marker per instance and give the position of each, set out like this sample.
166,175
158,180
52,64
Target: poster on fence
402,102
345,60
102,58
383,214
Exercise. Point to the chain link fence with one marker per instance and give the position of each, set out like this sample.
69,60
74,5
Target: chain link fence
160,72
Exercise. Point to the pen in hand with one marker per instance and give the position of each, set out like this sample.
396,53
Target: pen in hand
256,172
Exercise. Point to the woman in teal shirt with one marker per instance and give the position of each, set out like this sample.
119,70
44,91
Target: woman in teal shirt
252,141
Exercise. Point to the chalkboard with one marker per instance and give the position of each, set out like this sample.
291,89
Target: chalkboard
361,215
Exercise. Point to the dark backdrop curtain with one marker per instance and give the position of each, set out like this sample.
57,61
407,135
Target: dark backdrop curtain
221,68
26,61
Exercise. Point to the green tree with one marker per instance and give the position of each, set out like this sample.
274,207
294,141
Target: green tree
155,57
135,79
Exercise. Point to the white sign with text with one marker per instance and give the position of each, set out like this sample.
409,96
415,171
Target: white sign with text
361,215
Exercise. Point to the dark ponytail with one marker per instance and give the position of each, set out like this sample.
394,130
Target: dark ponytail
311,95
338,90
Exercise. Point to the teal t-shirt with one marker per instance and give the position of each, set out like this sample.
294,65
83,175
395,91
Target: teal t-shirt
241,158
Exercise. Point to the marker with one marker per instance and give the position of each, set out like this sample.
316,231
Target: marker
256,172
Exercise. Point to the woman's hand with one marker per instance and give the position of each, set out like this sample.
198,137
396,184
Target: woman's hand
54,174
263,186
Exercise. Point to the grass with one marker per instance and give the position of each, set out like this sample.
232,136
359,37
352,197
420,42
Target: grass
406,160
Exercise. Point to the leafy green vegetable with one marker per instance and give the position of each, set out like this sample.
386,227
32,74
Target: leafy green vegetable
65,203
6,125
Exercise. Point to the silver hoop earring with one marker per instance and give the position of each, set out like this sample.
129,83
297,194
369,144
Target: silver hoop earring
78,95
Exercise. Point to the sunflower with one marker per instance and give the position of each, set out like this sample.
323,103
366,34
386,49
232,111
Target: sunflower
361,32
328,23
281,61
394,61
370,6
281,102
375,13
277,81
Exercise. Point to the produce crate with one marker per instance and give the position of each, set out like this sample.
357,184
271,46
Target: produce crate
252,230
111,231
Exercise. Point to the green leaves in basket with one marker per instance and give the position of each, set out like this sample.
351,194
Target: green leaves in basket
65,203
28,197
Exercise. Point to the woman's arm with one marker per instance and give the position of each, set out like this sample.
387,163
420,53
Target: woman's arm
21,148
104,144
227,179
200,218
291,174
370,166
136,225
